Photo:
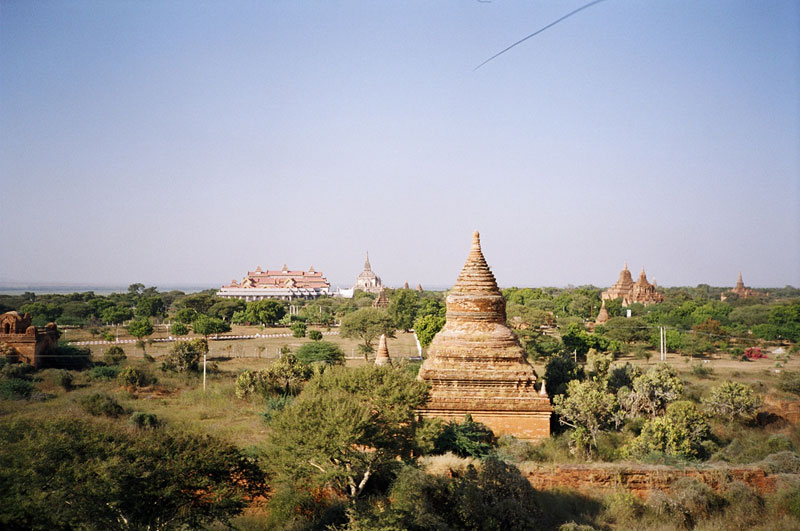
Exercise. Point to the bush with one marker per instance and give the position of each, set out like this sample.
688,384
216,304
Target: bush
69,473
103,372
144,420
15,389
19,371
274,405
782,463
185,356
70,357
101,404
789,382
314,335
680,433
109,336
466,439
284,377
701,370
732,401
59,378
114,355
133,377
689,501
320,351
179,329
298,329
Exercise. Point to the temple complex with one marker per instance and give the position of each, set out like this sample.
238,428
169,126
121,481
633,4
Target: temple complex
367,280
740,290
641,291
382,358
382,301
24,341
283,284
476,365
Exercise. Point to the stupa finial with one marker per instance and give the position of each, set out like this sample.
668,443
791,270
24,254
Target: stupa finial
475,275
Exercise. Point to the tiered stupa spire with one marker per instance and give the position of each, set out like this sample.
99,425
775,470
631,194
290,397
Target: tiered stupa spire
476,365
602,315
382,358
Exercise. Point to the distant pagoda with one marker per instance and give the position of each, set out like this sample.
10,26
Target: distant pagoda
367,280
741,290
641,291
602,315
382,301
476,365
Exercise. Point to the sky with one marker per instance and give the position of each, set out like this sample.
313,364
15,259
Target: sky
187,142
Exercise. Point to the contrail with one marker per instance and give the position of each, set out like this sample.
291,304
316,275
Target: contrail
537,32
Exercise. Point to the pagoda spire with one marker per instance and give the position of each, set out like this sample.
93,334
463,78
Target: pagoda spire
382,358
367,267
476,277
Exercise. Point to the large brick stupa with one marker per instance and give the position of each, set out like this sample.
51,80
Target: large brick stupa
476,365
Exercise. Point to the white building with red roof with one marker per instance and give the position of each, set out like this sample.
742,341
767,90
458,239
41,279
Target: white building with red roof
282,284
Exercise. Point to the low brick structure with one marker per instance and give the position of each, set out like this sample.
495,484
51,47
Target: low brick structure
476,365
641,480
27,343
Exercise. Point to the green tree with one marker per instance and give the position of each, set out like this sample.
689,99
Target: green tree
403,308
426,327
225,308
117,479
200,302
627,330
46,311
679,433
267,312
367,325
559,371
298,329
786,320
185,315
314,335
208,326
732,401
140,328
587,407
321,351
346,426
652,391
179,329
116,315
150,307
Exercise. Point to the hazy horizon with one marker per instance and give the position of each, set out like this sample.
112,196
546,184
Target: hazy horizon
187,143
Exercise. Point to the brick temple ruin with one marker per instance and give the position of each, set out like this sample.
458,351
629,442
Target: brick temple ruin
476,365
629,291
25,342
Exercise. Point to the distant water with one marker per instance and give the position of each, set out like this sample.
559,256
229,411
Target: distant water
42,289
64,289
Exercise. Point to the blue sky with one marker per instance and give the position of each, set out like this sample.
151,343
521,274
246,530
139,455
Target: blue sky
187,142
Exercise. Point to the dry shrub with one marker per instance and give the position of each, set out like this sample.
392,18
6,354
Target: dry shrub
447,464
